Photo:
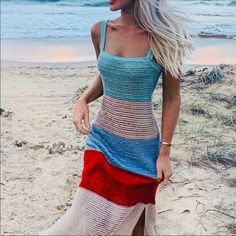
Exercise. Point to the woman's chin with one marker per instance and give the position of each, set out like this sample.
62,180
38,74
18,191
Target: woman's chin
113,8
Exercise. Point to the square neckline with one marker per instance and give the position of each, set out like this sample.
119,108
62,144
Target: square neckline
103,38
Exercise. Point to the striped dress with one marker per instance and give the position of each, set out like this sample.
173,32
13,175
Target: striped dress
119,177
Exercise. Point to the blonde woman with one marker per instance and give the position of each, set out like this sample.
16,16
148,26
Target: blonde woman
126,155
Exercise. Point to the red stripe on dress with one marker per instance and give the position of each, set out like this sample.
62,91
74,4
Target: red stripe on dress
115,184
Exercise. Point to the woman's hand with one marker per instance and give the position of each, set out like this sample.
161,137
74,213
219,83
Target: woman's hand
81,114
164,170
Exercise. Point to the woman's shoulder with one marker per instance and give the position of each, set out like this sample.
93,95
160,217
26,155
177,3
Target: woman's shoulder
96,27
96,30
96,34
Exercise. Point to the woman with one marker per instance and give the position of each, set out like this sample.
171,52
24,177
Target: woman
126,157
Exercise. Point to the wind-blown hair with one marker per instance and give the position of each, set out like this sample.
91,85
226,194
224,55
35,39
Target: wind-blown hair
167,32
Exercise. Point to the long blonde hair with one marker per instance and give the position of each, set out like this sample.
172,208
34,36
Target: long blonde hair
167,31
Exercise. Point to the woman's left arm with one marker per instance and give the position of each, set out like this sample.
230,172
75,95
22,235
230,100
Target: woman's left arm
170,112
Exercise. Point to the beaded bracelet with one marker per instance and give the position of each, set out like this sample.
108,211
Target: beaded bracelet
168,144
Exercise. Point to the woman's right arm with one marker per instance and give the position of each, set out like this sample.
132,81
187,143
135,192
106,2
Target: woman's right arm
81,111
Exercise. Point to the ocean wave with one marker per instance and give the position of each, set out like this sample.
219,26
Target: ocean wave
232,4
82,3
215,14
202,2
215,35
96,4
103,3
93,3
210,3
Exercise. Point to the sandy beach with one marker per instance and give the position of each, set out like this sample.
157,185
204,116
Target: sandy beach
42,153
48,61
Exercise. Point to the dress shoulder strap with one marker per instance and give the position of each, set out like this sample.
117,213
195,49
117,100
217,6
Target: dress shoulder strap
103,34
150,54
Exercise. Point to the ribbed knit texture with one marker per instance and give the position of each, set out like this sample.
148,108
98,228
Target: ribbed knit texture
127,78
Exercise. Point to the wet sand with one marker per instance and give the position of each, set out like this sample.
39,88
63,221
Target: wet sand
64,50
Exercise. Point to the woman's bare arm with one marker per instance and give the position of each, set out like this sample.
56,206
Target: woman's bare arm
81,111
96,89
94,92
170,109
170,112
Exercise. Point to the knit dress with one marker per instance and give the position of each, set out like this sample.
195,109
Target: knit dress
119,176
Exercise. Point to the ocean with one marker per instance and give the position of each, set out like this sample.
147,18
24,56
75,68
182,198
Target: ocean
74,18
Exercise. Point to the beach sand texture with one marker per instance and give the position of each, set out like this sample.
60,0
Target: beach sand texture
42,153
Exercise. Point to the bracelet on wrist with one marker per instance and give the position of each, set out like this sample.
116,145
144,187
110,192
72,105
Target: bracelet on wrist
165,143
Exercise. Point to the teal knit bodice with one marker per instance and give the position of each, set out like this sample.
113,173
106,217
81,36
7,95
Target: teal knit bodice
128,78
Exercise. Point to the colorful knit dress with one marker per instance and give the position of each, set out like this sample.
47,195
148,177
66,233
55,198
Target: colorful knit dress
119,177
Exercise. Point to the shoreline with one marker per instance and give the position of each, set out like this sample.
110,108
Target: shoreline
80,50
26,64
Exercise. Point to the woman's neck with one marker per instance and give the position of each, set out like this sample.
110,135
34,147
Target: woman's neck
127,16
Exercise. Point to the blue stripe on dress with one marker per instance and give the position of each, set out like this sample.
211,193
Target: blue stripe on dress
127,154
